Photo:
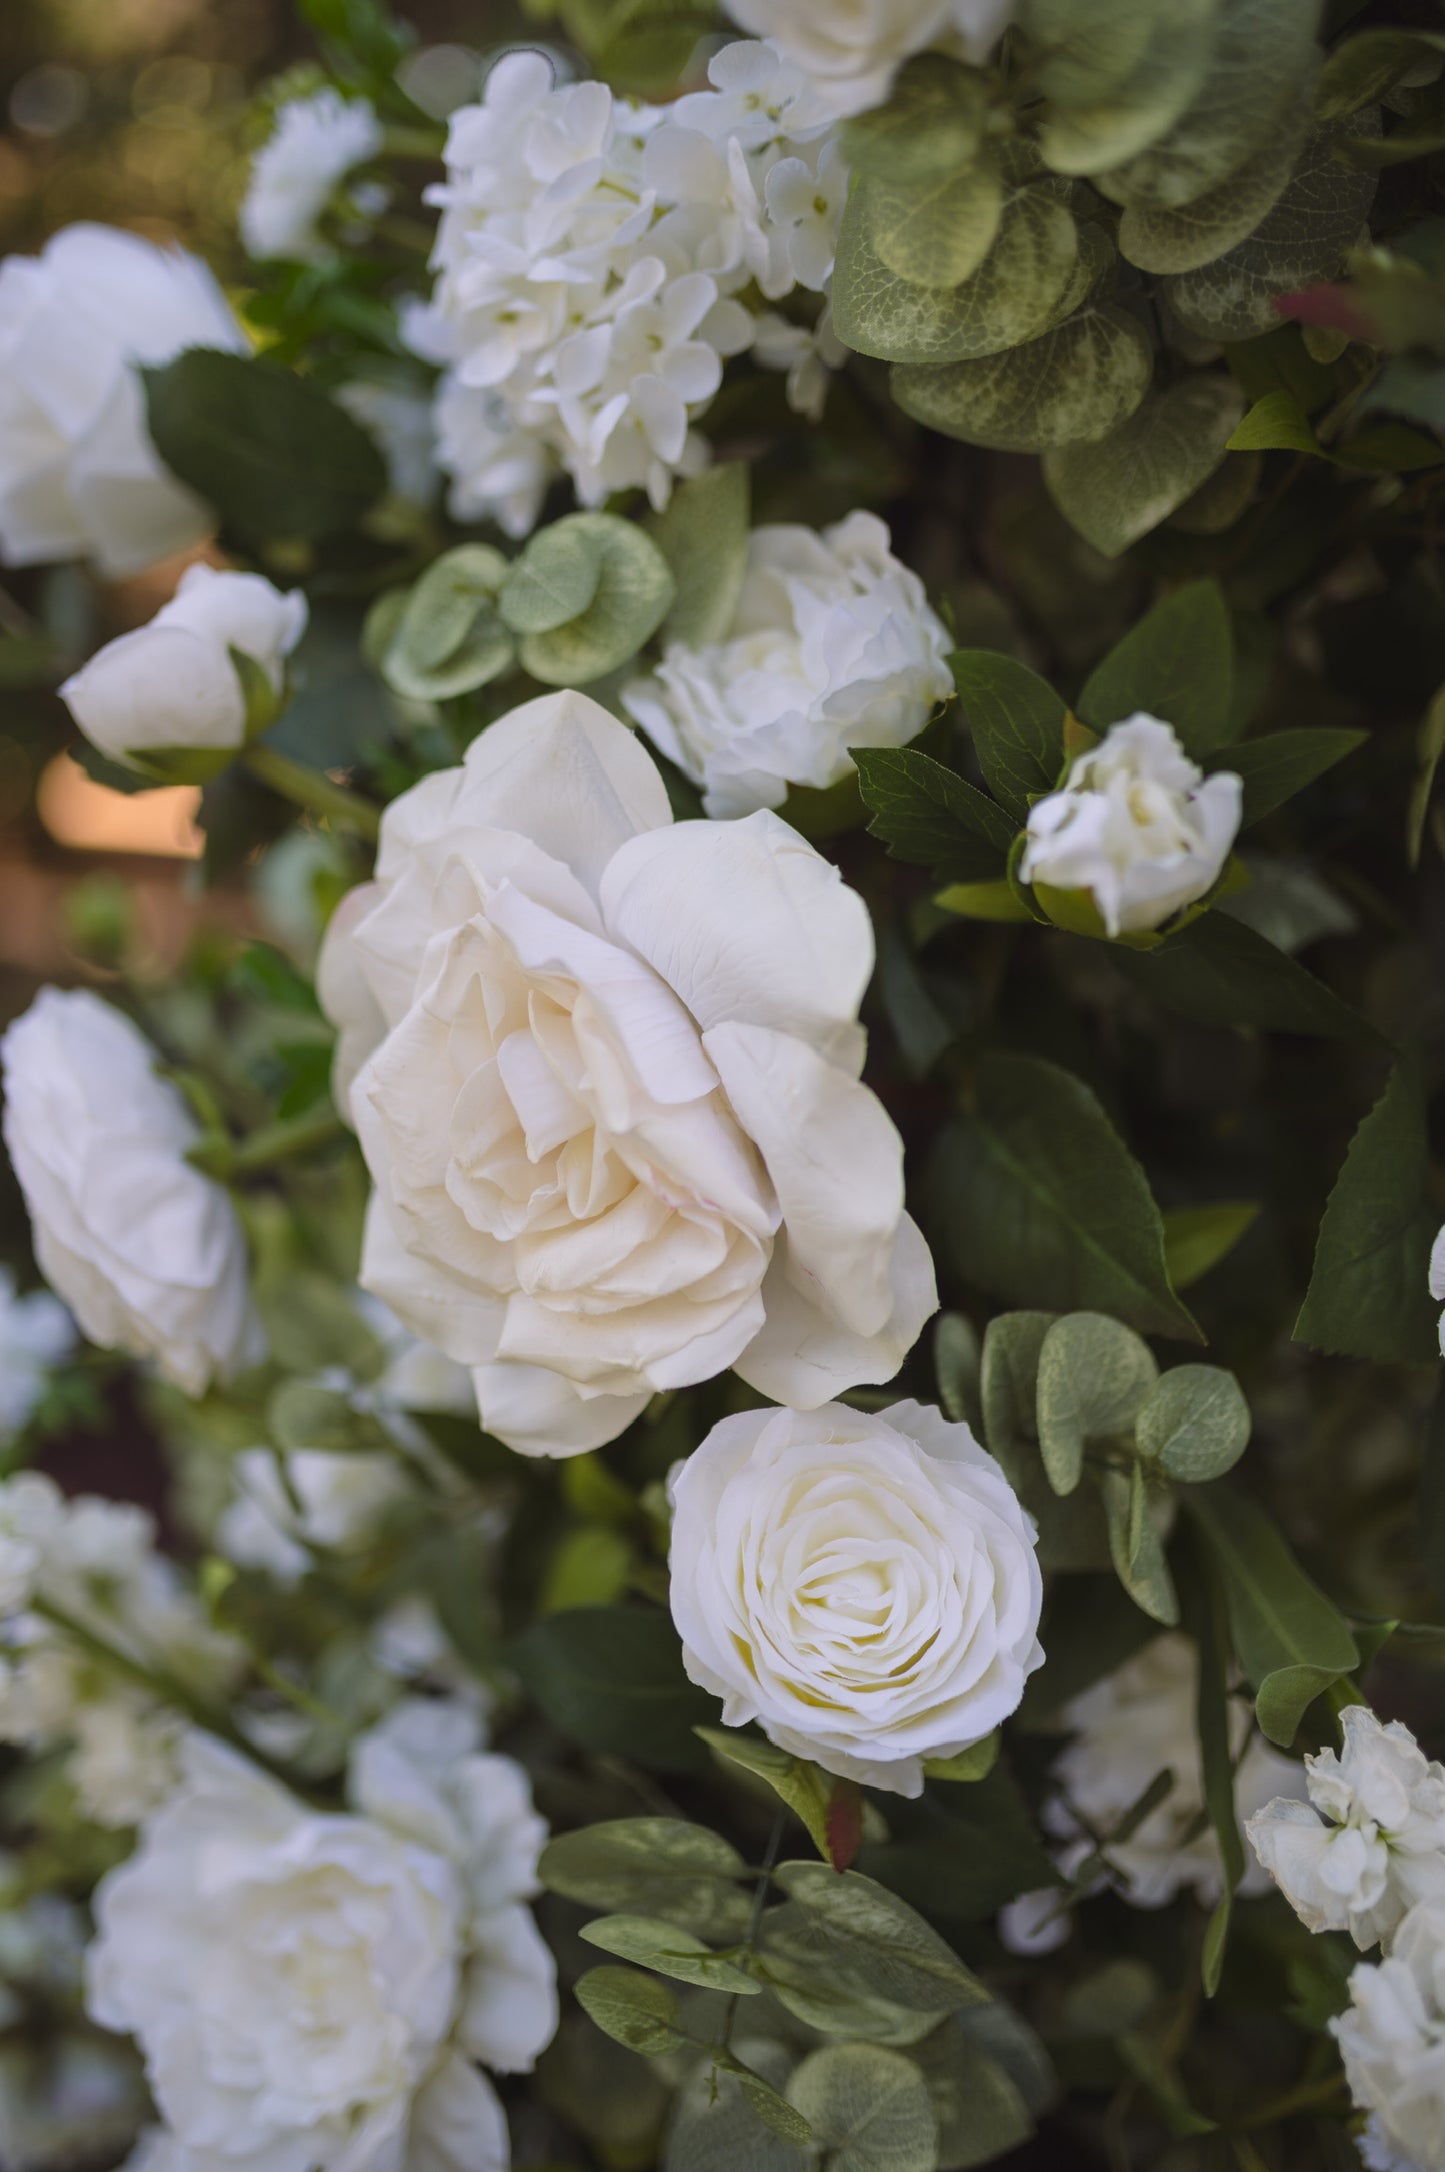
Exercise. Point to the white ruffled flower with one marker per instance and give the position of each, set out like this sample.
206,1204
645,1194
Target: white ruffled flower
1392,2041
172,684
36,1335
865,1588
1370,1843
1437,1280
833,646
370,1958
850,49
604,1069
315,144
147,1252
590,258
79,475
1137,1722
1137,825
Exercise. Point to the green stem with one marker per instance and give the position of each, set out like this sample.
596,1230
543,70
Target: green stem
755,1921
412,142
310,789
283,1141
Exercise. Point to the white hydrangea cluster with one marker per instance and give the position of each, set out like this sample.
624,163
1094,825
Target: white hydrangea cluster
591,259
93,1563
314,145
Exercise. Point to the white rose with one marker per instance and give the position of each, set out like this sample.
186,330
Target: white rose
863,1587
833,645
1437,1279
1137,825
851,48
1372,1845
314,145
1137,1722
1391,2039
147,1252
368,1957
604,1069
172,684
79,476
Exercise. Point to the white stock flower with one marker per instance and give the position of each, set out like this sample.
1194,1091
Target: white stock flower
1437,1279
604,1070
1137,825
147,1252
1136,1723
288,1504
79,476
1392,2041
315,144
36,1333
591,258
865,1588
1370,1843
370,1957
833,645
172,684
850,49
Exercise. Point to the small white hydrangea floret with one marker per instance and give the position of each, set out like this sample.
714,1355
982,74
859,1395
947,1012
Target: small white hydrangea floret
314,145
1392,2041
1370,1843
833,645
850,49
865,1587
1137,825
172,684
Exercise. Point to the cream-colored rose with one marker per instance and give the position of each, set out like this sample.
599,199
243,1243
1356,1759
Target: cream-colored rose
865,1588
851,48
147,1252
604,1069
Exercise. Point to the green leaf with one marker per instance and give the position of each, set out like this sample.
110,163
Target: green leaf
805,1788
1008,1383
956,1364
1430,1499
851,1918
669,1951
446,637
1275,423
716,2125
1198,1238
981,2109
1176,664
612,1679
938,230
931,124
1093,1376
703,535
632,2009
1210,1626
1120,488
652,1866
1048,1204
968,1855
1017,722
1366,67
631,597
997,900
1288,1638
1219,972
929,815
1431,745
304,1417
1180,238
869,2108
974,1763
1078,381
1135,1545
275,456
1369,1293
553,581
1276,767
1194,1423
1115,74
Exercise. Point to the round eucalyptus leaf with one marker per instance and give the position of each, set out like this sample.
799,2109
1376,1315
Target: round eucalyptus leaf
935,232
1194,1423
869,2107
1161,238
1120,488
484,655
1093,1375
442,607
930,126
631,597
1078,381
1116,74
555,578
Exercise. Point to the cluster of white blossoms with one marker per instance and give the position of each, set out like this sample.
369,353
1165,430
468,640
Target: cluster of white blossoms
591,259
93,1563
36,1335
315,1989
315,143
79,475
851,49
604,1068
833,645
1137,826
146,1250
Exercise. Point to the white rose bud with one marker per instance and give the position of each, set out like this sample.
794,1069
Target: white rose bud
604,1070
147,1252
1370,1843
314,145
865,1588
1138,826
171,690
833,645
1390,2039
79,475
851,48
370,1957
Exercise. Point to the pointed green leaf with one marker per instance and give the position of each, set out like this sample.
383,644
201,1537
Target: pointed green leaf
929,815
1017,722
1219,972
1177,664
668,1951
1276,767
1120,488
703,535
1198,1238
633,2009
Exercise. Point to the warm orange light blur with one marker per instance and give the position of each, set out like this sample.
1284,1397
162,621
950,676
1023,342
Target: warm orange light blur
90,817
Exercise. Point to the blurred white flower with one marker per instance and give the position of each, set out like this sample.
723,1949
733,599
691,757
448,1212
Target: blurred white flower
808,353
850,49
1437,1279
833,645
172,684
79,475
315,143
1392,2041
1036,1922
286,1504
402,423
36,1335
371,1957
1137,825
1370,1842
146,1250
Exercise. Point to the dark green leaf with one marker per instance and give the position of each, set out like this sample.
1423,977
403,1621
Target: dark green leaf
1177,664
612,1679
1283,763
931,816
1219,972
1017,721
1198,1238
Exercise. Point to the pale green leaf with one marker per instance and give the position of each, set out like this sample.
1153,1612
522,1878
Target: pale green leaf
956,1361
1366,67
1194,1423
703,535
1093,1376
1134,1543
554,580
907,1962
633,2009
931,125
805,1789
1080,380
1120,488
1275,423
719,2122
631,597
1179,238
974,1763
869,2108
1115,74
936,231
1198,1238
652,1866
670,1951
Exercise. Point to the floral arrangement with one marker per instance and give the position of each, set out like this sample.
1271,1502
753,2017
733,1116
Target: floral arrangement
794,1352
